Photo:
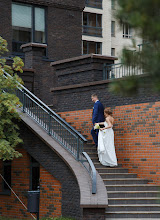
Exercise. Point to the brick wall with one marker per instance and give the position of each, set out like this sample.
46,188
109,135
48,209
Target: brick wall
62,18
50,191
50,161
51,195
59,190
94,214
137,129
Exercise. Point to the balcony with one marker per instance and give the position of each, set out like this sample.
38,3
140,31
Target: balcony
94,3
92,31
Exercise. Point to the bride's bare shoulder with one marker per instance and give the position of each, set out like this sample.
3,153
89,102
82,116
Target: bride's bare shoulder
110,119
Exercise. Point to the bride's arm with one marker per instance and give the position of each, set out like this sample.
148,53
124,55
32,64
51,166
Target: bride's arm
109,124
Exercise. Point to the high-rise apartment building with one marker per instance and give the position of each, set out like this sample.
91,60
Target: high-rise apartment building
102,34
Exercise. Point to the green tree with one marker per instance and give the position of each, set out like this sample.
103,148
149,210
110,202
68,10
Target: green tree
144,17
9,136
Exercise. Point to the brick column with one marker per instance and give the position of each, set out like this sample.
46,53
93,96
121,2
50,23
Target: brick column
34,60
33,53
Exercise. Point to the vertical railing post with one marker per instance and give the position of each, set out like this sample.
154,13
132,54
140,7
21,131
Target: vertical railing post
78,148
49,124
24,100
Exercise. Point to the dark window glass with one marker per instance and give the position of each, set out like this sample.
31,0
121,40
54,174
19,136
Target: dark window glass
113,28
112,51
92,47
6,174
94,3
85,18
127,31
28,25
113,3
35,174
92,24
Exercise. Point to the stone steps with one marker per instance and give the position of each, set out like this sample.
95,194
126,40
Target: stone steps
132,187
129,200
124,181
133,207
129,197
115,170
107,175
133,214
132,218
132,194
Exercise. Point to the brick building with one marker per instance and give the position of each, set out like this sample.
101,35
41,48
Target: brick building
49,40
102,34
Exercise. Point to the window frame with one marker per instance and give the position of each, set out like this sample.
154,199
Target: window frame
113,29
98,29
113,4
33,6
129,34
33,164
113,51
88,46
94,4
4,190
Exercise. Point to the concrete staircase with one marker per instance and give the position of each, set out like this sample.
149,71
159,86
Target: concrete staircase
129,197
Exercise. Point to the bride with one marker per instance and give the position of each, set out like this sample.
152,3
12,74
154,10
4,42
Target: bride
106,148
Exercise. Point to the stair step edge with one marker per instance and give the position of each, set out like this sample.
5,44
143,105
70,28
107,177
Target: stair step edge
133,212
134,205
123,178
133,185
134,198
132,191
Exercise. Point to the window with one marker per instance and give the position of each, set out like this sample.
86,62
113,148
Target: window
35,174
7,175
94,3
112,51
92,24
92,47
28,25
113,3
113,28
127,31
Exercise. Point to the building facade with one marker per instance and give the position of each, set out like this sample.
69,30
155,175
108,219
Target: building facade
102,34
49,22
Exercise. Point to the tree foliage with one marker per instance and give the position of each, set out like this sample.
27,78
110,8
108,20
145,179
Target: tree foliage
9,136
144,18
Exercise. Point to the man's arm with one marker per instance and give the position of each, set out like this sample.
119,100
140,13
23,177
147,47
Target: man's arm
95,113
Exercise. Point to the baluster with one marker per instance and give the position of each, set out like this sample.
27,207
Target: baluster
49,124
77,149
23,100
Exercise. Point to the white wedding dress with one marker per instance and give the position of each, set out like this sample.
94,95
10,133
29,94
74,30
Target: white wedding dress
106,148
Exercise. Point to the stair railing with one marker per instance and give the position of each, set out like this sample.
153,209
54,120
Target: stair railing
55,126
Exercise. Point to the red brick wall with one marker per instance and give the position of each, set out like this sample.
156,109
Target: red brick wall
51,195
50,191
137,141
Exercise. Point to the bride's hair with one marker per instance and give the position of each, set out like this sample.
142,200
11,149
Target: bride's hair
107,111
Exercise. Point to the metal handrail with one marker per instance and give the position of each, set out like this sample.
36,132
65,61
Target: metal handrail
49,110
92,172
119,70
56,127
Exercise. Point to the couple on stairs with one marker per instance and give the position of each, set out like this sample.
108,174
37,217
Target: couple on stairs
102,133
